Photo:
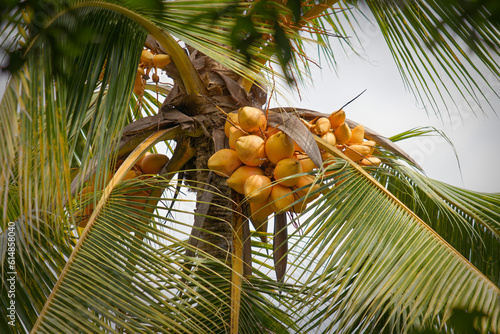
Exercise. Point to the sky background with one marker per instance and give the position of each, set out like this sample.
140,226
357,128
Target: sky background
388,108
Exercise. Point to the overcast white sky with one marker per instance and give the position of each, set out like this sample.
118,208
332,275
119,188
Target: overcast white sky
388,108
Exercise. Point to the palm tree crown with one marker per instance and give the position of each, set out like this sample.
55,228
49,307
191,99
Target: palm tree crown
97,239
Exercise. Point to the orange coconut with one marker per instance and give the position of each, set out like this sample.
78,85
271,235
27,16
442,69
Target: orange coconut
257,188
231,121
251,150
279,146
357,134
306,162
281,198
337,118
234,134
161,60
259,215
357,152
322,126
147,57
252,119
239,176
153,163
342,134
285,169
224,162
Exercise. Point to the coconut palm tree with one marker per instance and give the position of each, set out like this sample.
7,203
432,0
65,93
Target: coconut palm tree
92,242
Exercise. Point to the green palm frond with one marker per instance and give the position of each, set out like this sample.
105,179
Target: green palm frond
378,263
468,220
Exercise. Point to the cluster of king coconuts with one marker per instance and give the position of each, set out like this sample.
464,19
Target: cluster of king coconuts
262,161
148,62
146,166
336,132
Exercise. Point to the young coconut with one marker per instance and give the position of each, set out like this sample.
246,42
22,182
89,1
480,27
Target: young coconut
278,147
257,188
357,134
322,126
281,198
153,163
286,168
306,162
300,206
252,119
357,152
231,121
329,137
308,193
234,134
370,161
147,57
371,144
337,118
239,176
251,150
259,215
161,60
224,162
342,134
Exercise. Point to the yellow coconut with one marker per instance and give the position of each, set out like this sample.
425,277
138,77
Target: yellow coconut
357,134
234,134
139,89
357,152
306,162
231,121
239,176
281,198
342,133
329,137
371,144
337,118
286,168
139,161
257,188
161,60
251,150
279,146
147,57
252,120
224,162
259,215
138,76
370,161
153,163
300,206
309,188
322,126
131,174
